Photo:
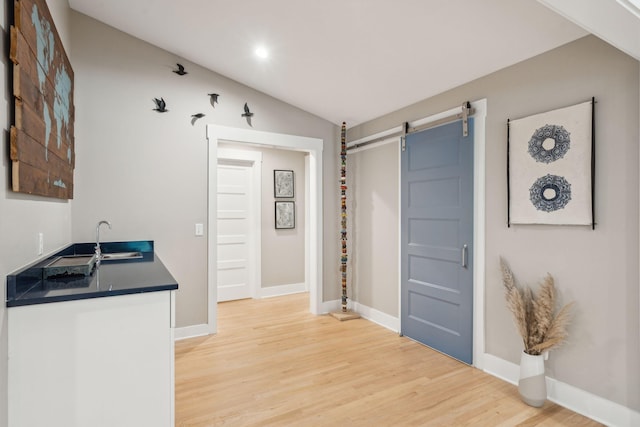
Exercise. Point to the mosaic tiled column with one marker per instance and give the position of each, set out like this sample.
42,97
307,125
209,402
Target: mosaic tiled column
343,213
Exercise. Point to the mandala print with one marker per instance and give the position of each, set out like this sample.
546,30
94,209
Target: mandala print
550,193
560,147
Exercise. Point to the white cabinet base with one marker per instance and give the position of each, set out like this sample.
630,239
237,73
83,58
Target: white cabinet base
94,362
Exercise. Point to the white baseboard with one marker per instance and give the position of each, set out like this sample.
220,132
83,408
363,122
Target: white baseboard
190,331
276,291
501,368
329,306
377,316
573,398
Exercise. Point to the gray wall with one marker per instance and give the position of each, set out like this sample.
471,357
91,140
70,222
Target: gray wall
596,269
146,172
372,203
282,250
23,216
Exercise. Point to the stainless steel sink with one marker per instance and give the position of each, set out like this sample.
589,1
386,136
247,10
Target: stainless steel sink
70,265
121,256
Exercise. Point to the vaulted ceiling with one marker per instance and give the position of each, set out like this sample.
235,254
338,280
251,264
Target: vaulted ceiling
344,60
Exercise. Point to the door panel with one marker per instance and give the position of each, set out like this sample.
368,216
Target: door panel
437,226
233,232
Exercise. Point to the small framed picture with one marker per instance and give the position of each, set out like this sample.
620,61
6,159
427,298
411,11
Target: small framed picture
283,184
285,215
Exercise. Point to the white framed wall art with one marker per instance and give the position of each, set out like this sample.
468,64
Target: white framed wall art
551,167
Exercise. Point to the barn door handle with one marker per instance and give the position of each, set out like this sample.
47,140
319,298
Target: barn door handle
464,256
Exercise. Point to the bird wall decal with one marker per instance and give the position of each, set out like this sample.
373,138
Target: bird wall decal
161,106
180,71
195,118
213,98
247,114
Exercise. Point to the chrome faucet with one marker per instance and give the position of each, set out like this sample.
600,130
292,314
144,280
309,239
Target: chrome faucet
98,251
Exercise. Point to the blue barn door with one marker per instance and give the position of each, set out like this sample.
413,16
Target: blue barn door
437,239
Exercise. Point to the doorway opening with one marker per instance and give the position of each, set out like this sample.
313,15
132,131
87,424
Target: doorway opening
313,207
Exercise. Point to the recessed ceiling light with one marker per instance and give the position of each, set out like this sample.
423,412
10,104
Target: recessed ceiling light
262,52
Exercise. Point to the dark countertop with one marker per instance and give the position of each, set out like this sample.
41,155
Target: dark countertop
27,286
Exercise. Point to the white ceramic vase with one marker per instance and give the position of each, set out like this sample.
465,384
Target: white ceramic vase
531,385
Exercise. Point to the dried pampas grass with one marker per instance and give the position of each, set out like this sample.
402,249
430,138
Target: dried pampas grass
539,326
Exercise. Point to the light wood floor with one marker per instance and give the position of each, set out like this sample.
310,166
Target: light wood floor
274,364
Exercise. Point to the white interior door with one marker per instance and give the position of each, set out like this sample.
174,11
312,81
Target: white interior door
237,236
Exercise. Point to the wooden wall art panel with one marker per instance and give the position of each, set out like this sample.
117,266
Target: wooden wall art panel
42,142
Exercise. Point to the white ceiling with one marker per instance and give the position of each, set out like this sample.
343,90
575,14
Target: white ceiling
344,60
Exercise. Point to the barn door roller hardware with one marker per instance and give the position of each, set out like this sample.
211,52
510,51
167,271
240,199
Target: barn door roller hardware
403,138
466,110
464,114
406,129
